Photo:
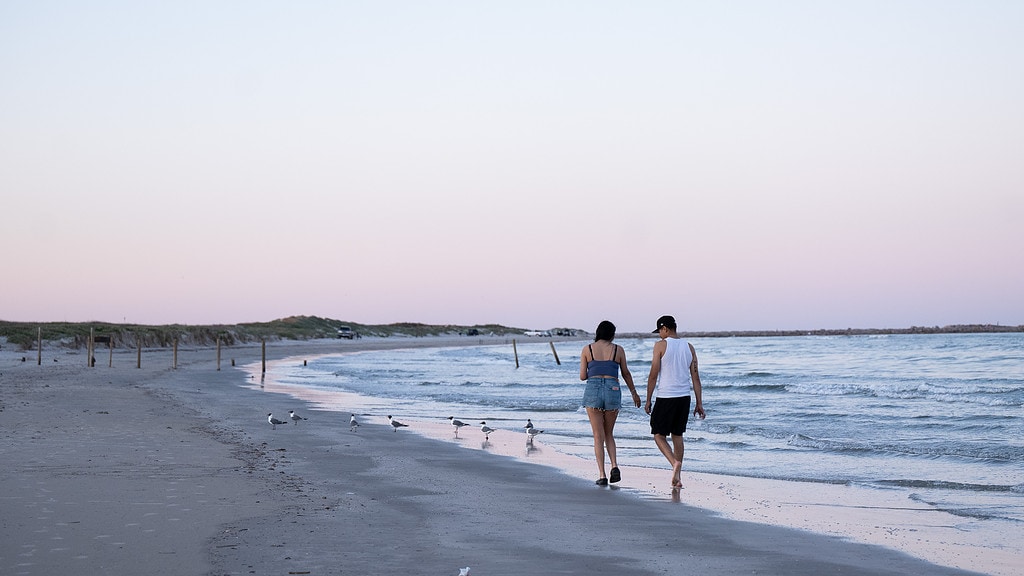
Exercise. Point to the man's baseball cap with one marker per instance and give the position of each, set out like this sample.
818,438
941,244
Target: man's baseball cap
667,322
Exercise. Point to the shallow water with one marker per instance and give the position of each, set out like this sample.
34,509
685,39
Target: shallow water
936,416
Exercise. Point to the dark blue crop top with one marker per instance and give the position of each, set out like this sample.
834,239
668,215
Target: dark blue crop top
603,367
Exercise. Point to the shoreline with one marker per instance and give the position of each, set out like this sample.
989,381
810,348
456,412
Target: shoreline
179,469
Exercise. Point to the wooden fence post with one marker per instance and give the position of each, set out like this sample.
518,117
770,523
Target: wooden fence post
39,346
264,345
515,352
218,353
175,366
138,352
557,361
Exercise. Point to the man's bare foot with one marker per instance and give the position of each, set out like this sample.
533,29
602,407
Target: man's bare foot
676,469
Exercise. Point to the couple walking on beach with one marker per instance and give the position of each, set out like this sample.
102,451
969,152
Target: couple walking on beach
673,375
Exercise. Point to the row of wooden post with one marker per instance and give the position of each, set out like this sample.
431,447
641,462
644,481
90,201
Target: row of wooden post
91,351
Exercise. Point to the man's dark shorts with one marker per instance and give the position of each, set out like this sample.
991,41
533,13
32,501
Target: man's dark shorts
670,415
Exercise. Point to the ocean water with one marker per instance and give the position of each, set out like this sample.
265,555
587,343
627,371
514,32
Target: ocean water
940,417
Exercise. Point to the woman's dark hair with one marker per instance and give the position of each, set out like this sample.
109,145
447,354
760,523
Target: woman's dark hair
605,331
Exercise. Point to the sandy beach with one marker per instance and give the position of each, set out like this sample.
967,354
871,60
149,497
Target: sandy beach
161,470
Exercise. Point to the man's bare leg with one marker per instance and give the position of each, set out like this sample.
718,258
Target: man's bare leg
670,455
677,466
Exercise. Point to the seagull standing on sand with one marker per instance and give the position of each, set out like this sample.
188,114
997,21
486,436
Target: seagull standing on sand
457,424
295,417
530,433
274,421
486,430
353,424
464,571
395,424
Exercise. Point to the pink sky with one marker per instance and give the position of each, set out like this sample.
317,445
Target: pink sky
761,165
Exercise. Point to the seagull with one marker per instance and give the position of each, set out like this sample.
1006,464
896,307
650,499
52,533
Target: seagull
464,571
486,430
395,424
457,424
295,417
530,433
529,425
353,424
274,421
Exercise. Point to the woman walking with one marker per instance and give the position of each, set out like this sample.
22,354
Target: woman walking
600,364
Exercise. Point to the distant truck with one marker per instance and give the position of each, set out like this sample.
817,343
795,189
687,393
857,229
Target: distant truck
346,332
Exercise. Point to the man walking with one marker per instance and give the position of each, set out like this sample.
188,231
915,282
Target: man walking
674,375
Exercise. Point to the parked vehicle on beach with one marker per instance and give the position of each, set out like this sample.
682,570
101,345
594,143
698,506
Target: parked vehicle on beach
346,332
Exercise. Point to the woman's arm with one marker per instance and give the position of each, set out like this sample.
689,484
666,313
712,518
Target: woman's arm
628,377
583,363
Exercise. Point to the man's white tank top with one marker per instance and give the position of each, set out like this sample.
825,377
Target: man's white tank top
674,377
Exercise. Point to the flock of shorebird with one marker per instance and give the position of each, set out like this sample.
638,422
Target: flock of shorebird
531,430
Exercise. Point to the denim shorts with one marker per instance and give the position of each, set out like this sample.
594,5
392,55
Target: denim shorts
603,394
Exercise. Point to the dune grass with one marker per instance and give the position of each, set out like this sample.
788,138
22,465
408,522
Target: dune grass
76,334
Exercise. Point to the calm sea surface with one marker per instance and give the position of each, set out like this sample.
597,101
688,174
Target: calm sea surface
938,416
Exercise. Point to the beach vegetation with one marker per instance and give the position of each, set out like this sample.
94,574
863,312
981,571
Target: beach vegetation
75,335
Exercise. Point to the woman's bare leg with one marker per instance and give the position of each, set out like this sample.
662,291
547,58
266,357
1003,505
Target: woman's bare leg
597,427
609,438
